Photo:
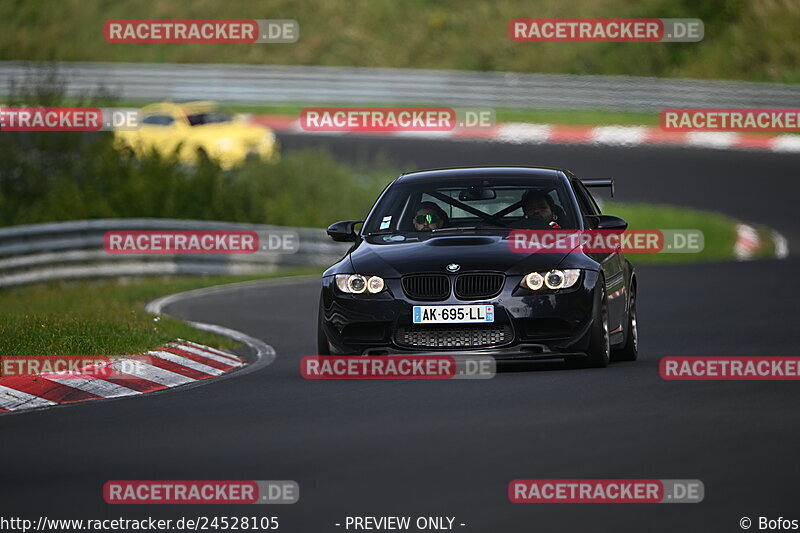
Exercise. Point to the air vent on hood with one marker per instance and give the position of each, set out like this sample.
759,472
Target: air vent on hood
461,241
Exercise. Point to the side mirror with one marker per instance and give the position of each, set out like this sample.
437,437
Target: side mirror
605,222
343,231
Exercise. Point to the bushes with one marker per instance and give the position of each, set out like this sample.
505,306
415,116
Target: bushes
744,39
51,176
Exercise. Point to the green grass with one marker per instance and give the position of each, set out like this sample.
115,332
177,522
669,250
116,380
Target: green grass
744,39
719,231
104,317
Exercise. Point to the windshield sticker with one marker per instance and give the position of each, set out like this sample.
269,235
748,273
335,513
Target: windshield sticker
386,222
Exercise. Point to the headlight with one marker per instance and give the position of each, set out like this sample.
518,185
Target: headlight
533,281
357,284
375,284
554,279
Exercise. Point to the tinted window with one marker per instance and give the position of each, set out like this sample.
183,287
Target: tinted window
158,120
198,119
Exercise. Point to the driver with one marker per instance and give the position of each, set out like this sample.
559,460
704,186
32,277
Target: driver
429,217
538,208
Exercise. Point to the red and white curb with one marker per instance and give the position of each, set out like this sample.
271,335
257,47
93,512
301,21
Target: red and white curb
176,363
527,133
749,243
179,363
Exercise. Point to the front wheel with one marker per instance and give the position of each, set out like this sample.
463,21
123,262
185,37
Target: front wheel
323,348
630,350
599,353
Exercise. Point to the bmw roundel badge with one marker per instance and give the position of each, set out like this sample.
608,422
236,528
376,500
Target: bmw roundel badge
453,267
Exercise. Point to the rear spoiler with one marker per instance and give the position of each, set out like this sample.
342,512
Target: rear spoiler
602,182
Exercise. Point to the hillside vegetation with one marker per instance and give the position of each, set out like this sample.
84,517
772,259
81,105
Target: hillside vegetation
744,39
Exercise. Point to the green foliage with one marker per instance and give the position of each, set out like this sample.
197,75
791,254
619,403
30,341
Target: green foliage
63,178
744,39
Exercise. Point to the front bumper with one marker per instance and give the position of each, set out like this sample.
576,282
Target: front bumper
527,325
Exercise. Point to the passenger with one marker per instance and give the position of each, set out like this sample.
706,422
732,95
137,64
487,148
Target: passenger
429,217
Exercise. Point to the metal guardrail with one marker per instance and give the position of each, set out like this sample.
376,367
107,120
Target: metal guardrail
70,250
251,84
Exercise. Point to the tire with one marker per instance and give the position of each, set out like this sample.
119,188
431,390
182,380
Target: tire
599,353
202,157
630,350
323,348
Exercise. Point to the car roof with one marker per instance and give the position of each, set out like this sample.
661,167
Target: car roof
185,107
458,173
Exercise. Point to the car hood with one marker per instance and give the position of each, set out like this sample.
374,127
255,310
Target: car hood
472,253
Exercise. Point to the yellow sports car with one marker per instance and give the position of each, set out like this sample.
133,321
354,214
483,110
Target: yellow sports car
198,130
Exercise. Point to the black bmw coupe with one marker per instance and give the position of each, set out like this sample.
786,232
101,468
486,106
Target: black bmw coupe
432,271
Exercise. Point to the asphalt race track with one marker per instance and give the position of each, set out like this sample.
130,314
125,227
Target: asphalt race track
450,448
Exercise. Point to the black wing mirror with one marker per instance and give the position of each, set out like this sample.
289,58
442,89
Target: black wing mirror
605,222
344,231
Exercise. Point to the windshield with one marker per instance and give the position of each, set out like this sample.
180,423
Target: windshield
474,204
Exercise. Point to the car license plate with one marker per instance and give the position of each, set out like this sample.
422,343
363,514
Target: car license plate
453,314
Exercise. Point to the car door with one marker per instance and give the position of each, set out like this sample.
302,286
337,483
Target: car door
161,131
612,263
